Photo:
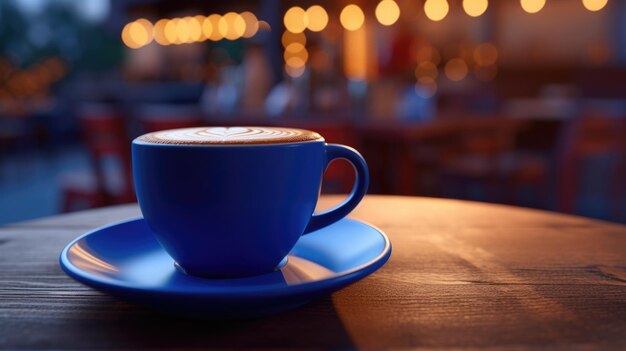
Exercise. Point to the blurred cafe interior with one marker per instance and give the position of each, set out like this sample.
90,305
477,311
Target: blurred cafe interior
520,102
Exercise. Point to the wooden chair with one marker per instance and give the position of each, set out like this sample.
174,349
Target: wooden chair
482,154
587,138
109,181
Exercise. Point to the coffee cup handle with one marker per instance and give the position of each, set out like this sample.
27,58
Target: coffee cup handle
335,151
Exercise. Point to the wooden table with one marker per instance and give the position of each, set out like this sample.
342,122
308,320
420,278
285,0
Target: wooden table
462,275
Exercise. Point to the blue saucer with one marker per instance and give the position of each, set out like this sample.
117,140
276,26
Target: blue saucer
125,260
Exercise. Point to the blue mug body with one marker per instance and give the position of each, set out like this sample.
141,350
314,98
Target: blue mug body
236,210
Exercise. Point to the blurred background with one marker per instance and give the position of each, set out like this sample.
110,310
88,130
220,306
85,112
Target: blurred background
520,102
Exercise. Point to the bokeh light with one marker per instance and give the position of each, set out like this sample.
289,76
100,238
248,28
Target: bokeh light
294,47
231,26
426,69
137,34
485,54
294,71
428,53
426,87
475,8
212,23
595,5
295,19
532,6
456,69
352,17
252,24
387,12
169,31
302,54
183,32
195,28
264,26
317,18
436,10
159,32
126,38
289,37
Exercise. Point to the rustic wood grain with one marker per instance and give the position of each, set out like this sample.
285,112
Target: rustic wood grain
462,276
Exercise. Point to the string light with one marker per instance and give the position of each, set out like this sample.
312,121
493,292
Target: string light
159,32
171,31
485,54
475,8
212,22
532,6
182,31
317,18
195,29
456,69
387,12
436,10
289,37
352,17
301,54
231,26
295,19
127,39
252,24
595,5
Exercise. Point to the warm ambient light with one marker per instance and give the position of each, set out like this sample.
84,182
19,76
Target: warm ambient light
195,29
301,54
456,69
532,6
295,20
294,47
137,34
294,71
252,24
231,26
594,5
436,10
182,31
485,54
352,17
475,8
171,31
210,27
159,32
192,29
426,69
387,12
289,37
317,18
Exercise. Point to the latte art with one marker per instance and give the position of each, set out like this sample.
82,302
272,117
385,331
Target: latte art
230,135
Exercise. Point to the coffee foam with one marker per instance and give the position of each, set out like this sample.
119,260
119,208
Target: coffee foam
230,136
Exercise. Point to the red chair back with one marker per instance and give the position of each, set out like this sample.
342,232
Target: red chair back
104,132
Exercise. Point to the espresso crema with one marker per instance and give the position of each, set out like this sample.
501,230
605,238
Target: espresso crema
230,135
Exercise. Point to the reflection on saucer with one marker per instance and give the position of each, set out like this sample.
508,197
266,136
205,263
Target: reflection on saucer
84,259
299,270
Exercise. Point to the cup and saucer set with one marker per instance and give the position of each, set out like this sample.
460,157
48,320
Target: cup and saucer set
228,227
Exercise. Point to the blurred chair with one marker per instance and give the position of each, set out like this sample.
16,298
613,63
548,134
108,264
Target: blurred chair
339,177
156,117
109,181
591,162
479,161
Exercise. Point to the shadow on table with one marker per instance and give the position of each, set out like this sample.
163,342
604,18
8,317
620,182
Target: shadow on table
315,325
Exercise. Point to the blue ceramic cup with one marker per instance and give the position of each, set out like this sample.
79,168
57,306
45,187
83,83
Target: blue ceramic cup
232,202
